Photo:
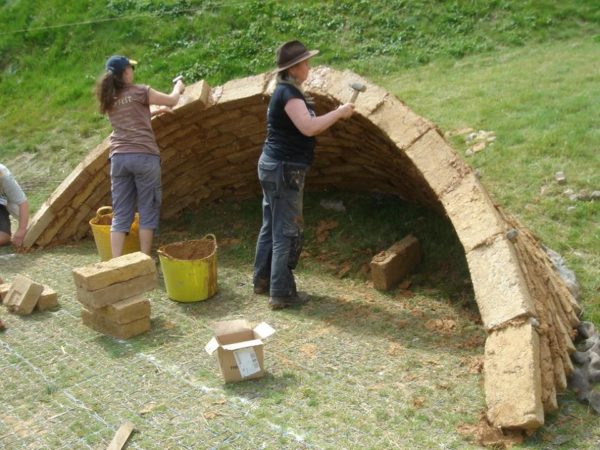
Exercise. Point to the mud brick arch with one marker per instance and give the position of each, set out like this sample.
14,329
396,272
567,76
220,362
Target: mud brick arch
209,148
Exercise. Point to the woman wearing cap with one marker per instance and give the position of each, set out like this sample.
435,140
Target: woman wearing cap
134,154
287,155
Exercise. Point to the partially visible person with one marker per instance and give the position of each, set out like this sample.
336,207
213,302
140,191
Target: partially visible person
287,155
13,201
134,155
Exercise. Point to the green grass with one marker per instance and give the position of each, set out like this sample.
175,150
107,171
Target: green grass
356,368
52,52
540,103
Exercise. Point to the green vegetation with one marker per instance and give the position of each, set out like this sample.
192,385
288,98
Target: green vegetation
52,52
526,70
539,102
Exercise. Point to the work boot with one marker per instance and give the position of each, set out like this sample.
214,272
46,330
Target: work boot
261,286
297,299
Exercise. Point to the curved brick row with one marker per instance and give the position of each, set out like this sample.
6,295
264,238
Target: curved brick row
209,149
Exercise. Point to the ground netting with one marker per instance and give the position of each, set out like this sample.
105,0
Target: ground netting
353,369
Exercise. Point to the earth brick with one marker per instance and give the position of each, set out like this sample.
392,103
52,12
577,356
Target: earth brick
241,89
60,219
196,94
500,289
99,275
23,295
473,214
48,299
390,266
39,223
512,378
119,331
437,161
4,287
125,311
116,292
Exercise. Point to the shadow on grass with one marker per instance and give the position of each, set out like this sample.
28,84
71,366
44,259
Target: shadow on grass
163,332
368,224
414,327
270,387
222,304
40,316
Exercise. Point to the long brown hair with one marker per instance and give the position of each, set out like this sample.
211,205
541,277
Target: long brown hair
107,89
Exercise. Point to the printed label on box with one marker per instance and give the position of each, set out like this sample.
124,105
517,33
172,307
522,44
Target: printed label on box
247,361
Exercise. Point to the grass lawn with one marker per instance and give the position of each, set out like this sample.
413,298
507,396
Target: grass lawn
355,368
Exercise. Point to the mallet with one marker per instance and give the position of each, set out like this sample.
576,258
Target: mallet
357,87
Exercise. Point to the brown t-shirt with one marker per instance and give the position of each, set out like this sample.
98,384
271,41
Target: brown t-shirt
130,120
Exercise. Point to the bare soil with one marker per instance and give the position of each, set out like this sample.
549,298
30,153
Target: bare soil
190,250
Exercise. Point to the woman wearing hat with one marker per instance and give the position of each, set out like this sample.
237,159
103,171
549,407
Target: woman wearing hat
134,154
287,154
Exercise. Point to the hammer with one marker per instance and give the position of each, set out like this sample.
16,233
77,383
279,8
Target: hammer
357,87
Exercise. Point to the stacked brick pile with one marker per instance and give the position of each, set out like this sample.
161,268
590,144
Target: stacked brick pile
24,295
110,293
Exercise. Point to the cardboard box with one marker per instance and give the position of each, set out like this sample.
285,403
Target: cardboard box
239,349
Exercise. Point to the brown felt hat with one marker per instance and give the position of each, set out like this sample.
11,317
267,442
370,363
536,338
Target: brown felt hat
291,53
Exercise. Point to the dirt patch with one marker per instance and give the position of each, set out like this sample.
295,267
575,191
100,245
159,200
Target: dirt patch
309,350
323,229
474,364
188,250
488,436
105,219
443,326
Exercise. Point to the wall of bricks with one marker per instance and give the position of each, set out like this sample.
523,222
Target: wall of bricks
209,150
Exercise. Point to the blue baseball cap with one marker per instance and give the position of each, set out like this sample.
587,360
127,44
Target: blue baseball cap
117,64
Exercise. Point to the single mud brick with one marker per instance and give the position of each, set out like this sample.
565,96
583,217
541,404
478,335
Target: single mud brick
119,331
389,267
116,270
48,299
116,292
125,311
501,292
512,378
23,295
4,287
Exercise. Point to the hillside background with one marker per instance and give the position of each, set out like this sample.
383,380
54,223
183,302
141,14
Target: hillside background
526,70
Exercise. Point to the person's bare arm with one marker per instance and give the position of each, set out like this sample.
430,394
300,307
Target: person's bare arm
19,235
162,99
310,125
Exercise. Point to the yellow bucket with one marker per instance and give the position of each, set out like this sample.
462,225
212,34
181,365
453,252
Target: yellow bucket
101,230
190,269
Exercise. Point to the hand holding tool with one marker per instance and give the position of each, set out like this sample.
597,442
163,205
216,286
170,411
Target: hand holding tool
357,87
